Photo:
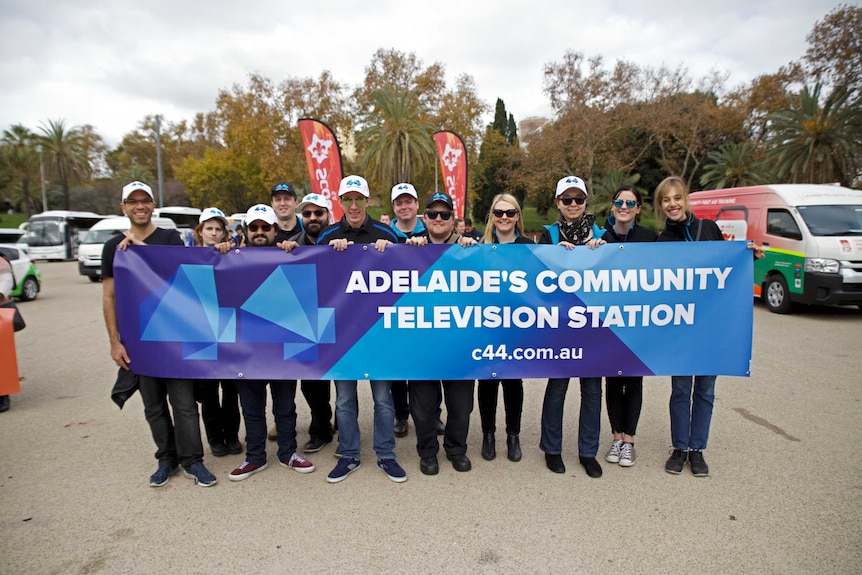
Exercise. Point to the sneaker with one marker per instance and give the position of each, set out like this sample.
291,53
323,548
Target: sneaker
613,455
200,474
162,474
344,467
699,468
298,463
676,461
246,470
627,455
392,470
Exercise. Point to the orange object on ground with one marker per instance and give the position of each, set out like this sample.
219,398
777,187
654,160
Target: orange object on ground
9,382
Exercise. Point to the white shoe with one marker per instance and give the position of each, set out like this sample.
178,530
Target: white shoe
613,455
627,455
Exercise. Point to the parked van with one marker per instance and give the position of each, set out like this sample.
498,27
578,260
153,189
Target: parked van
812,235
90,248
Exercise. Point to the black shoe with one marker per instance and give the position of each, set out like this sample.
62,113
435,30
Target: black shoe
676,461
234,446
429,466
441,427
554,461
400,428
460,462
489,449
314,444
699,468
592,466
4,403
513,443
218,449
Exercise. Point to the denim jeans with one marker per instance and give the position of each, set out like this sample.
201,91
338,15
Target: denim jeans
177,438
691,414
589,421
252,396
347,416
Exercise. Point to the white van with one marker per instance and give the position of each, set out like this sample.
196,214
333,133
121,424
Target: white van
90,248
813,236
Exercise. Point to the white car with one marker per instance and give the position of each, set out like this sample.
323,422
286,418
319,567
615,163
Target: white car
28,280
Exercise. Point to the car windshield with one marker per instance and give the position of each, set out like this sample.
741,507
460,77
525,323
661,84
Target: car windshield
44,233
843,220
99,236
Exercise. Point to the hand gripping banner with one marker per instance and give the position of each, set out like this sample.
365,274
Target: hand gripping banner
437,312
453,166
323,158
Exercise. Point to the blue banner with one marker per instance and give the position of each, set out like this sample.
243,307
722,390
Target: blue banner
437,312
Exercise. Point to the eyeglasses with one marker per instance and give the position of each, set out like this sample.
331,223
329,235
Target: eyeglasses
567,200
254,227
509,213
358,202
317,213
432,214
630,204
143,202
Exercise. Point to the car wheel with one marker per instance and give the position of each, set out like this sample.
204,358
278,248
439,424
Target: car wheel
776,296
94,278
30,289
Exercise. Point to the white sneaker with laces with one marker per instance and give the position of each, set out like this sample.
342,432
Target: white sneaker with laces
627,455
613,455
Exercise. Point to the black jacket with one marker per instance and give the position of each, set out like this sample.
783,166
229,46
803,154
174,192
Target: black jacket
369,232
691,230
636,233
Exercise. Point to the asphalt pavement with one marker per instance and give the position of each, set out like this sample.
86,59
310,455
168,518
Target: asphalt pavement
784,493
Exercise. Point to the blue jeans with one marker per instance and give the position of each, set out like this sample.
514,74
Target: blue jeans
347,416
691,414
589,421
252,396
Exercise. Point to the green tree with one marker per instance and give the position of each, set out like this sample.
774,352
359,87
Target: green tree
491,173
22,159
834,54
66,152
396,140
734,165
816,144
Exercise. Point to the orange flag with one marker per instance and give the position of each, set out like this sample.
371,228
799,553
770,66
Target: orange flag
9,382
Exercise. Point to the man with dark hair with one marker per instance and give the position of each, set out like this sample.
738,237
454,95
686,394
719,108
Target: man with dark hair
470,231
178,439
284,204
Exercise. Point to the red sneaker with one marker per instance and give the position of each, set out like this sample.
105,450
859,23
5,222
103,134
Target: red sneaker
298,463
246,470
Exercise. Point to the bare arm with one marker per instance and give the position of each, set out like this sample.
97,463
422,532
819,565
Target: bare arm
109,309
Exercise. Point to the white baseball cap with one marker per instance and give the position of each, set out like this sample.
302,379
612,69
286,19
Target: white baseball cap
134,187
570,182
316,200
354,184
401,189
211,213
261,212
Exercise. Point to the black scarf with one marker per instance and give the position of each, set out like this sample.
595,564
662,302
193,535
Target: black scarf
580,231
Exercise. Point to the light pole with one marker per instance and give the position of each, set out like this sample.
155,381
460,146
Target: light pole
42,176
159,159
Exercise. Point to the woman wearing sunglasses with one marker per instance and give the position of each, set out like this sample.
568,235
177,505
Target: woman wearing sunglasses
575,227
504,226
624,395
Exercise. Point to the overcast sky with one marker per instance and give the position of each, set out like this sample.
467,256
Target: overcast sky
109,63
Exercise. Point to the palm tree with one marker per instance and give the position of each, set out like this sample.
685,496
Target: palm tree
734,165
814,144
21,156
397,142
66,150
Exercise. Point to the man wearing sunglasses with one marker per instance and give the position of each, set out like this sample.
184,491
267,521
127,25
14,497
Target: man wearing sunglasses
176,430
314,210
356,227
260,227
284,204
425,394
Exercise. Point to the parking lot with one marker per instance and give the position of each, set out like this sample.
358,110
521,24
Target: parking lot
784,494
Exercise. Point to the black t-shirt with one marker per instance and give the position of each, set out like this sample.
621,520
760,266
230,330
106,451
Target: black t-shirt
159,237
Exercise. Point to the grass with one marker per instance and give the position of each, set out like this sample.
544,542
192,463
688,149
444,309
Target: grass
12,220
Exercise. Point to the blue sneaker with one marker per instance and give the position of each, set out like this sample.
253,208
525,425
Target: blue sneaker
200,474
344,467
162,474
392,470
